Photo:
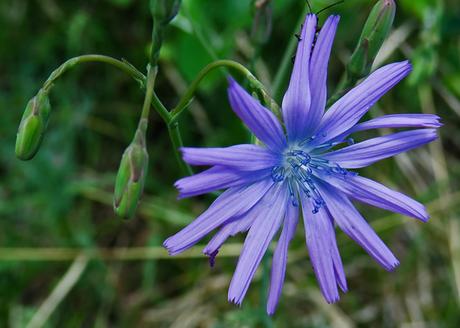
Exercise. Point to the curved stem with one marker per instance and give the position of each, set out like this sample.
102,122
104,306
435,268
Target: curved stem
173,131
145,82
122,65
151,99
176,140
173,127
170,118
188,96
161,109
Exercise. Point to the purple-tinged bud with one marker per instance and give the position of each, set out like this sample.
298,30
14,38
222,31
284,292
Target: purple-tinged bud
375,31
33,125
129,183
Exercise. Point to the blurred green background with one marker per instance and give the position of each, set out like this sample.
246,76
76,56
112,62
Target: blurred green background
67,261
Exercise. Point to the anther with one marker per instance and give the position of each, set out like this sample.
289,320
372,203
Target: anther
292,194
278,173
293,163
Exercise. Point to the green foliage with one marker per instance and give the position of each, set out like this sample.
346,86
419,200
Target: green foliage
59,204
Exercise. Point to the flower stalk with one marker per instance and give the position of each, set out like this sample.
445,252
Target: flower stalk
72,62
254,84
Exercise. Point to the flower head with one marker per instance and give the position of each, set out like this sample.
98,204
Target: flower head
298,173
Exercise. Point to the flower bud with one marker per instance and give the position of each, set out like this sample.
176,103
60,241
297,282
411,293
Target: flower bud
129,183
375,31
164,10
33,125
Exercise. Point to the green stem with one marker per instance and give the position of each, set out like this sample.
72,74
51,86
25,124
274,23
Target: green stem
173,126
161,109
157,42
124,66
170,118
187,97
176,140
145,82
151,75
174,133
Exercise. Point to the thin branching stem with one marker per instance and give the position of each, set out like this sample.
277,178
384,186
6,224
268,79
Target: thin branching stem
151,75
176,140
188,96
169,117
122,65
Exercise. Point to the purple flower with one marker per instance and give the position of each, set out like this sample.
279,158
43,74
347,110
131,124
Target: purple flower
297,172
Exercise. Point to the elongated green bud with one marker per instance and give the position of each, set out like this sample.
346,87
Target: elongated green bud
129,183
33,125
375,31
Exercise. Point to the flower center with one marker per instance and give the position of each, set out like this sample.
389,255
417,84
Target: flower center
298,168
